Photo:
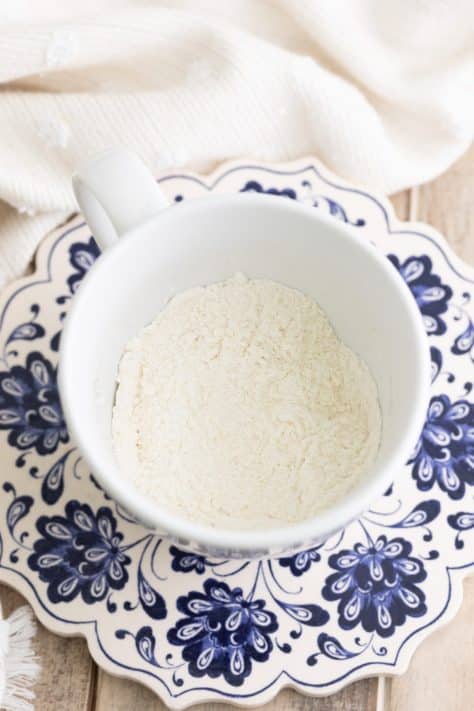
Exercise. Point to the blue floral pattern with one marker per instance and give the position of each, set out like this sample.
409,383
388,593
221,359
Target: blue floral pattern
222,632
29,406
187,562
302,561
376,585
80,553
206,629
333,207
445,451
431,295
82,256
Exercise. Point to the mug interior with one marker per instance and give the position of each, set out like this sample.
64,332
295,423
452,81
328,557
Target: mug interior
208,240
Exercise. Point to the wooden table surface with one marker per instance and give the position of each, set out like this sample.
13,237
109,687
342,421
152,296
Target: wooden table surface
441,674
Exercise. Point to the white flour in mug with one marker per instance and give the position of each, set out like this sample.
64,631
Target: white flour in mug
240,408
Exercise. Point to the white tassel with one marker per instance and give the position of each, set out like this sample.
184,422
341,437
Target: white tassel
20,662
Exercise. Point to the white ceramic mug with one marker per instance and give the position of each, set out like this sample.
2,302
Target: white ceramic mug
152,251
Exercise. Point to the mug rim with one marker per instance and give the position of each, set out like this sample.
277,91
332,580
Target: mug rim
288,536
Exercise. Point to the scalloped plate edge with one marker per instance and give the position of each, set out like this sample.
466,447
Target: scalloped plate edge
366,671
84,629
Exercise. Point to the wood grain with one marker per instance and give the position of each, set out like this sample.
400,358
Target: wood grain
119,695
448,205
440,675
401,204
67,677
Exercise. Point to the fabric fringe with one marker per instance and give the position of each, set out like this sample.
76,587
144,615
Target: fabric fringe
20,663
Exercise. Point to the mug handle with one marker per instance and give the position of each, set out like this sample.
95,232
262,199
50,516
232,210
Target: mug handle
116,192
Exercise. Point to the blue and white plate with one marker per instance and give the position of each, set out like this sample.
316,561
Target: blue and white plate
195,629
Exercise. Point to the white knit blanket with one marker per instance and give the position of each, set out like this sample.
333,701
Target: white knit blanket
381,91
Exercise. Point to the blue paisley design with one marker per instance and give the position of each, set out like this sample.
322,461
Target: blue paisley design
464,343
332,648
376,585
30,407
431,295
445,451
302,561
461,522
28,331
80,553
187,562
222,632
82,256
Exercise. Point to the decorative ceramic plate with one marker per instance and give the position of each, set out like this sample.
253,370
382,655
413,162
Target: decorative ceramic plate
195,629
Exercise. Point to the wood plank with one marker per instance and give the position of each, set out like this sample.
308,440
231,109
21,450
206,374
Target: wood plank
121,695
68,674
448,204
401,204
440,675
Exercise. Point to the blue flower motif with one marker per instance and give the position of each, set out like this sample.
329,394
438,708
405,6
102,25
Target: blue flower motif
186,562
376,585
302,561
445,451
30,407
82,256
431,295
222,632
80,553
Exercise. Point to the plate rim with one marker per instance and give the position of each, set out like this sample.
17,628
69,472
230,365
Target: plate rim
456,575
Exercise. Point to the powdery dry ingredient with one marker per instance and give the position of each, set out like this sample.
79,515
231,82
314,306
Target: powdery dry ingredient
240,408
